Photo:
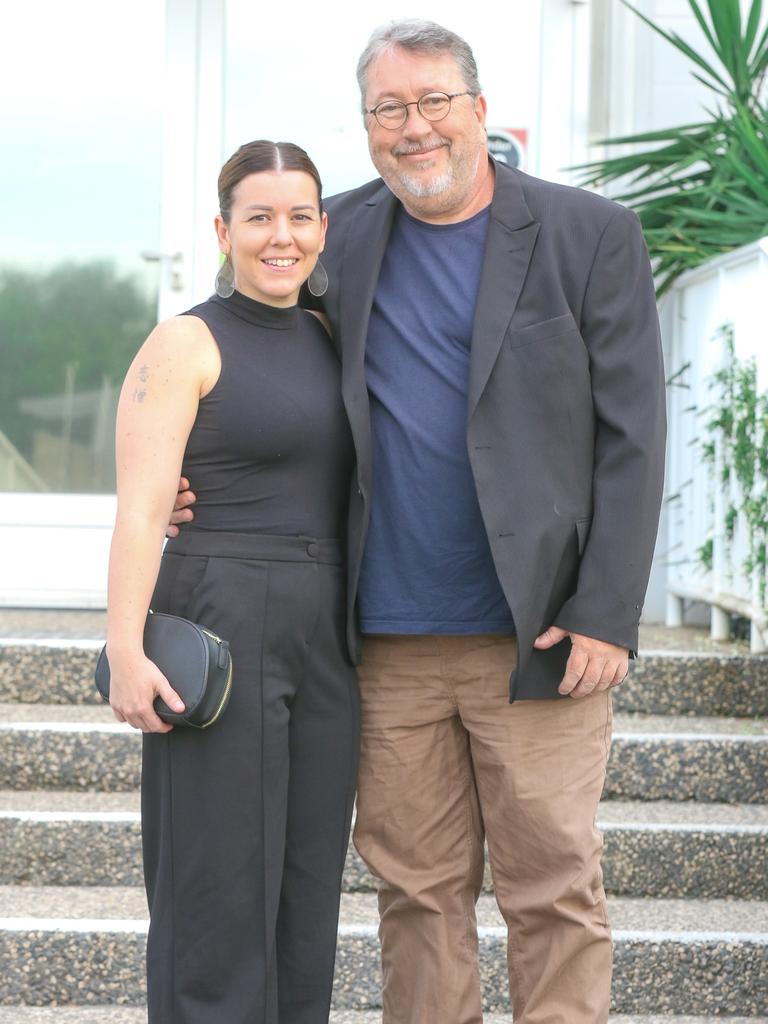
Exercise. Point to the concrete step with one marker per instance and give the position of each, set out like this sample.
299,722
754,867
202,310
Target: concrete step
137,1015
48,670
673,850
74,1015
651,849
86,946
374,1017
58,623
655,757
722,760
690,683
66,747
51,670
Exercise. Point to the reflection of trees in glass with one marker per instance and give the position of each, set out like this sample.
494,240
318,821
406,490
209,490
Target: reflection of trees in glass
66,339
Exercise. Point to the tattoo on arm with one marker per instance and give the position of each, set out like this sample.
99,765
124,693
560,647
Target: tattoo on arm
140,393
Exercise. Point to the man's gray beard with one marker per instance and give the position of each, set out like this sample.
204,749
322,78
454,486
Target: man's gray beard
427,189
418,189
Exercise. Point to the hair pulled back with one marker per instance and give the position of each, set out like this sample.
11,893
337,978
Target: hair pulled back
257,157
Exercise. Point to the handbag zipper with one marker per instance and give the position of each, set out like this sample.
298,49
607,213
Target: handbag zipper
225,695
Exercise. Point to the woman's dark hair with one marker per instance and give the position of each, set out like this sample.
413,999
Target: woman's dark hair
259,156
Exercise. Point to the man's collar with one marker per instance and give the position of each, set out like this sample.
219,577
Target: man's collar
508,205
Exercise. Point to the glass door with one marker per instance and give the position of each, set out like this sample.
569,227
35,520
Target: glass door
81,89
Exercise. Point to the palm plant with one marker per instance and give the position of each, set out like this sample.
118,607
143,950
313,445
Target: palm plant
702,189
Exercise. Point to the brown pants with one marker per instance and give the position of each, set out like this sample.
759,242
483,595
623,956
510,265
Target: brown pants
447,762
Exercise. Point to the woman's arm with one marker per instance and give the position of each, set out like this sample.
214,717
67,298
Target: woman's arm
177,364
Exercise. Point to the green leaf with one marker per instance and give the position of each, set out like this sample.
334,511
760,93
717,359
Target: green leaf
704,24
753,23
701,189
660,135
726,21
761,54
759,185
750,139
751,207
721,92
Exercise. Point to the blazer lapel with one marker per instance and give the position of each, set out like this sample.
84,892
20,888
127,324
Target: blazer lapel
361,264
512,235
363,255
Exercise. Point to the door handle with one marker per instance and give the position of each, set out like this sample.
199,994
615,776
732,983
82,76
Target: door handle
173,262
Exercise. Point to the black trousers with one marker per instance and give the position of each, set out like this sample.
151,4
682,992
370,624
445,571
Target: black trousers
245,824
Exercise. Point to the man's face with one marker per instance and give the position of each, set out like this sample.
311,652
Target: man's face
431,166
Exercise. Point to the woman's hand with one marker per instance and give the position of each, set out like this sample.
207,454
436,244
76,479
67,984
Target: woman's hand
134,684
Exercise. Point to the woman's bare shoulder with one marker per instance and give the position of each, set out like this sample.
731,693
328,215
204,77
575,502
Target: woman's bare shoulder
185,337
181,331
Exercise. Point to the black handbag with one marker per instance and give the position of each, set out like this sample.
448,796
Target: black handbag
196,663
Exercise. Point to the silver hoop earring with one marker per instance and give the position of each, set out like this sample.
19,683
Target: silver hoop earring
225,279
318,281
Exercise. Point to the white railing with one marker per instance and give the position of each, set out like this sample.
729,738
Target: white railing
719,311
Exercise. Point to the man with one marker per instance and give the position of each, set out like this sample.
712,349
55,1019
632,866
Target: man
503,379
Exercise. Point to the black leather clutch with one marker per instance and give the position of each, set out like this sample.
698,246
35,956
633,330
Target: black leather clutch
196,663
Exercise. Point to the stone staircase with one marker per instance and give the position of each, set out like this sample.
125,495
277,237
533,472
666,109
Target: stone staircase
684,814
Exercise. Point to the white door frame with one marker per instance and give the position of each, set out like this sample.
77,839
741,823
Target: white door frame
193,133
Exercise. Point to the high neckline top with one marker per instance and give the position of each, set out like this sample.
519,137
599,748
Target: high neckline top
270,450
278,318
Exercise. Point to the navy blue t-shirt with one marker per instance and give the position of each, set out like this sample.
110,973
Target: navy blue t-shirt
427,566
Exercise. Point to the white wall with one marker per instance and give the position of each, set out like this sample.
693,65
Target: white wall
640,82
560,133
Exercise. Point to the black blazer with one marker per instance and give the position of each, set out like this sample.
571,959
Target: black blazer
566,410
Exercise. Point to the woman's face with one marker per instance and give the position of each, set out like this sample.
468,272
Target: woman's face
274,235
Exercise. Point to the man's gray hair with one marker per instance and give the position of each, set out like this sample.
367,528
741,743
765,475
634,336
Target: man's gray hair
419,36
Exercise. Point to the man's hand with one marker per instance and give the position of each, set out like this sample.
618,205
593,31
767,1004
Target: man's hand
593,664
182,513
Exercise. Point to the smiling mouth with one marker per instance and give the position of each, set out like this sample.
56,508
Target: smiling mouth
283,262
424,150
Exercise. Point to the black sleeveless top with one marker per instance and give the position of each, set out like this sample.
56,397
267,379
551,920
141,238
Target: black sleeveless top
270,450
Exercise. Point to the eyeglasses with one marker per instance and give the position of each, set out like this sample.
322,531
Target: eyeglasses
433,106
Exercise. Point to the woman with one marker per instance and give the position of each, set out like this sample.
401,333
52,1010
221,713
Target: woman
245,824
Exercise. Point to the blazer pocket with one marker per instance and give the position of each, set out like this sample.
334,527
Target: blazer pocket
542,331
